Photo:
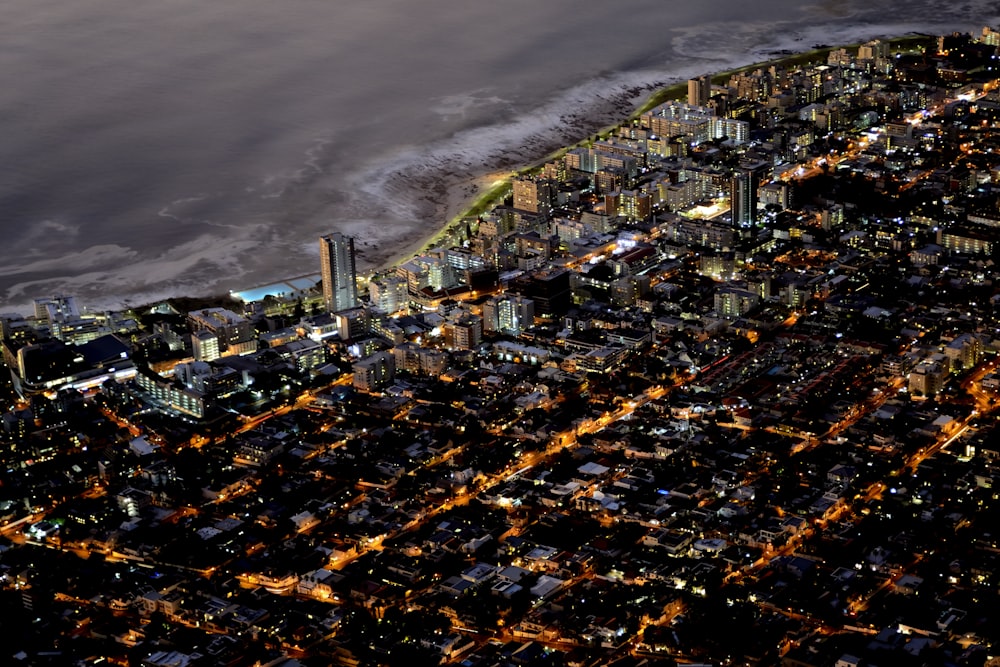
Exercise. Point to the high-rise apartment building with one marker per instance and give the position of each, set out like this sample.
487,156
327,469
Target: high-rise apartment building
465,332
700,91
744,195
874,49
731,302
58,308
508,314
965,351
375,372
232,333
340,289
743,199
205,346
990,37
388,293
534,196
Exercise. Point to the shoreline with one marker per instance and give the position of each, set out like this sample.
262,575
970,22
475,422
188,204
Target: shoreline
473,195
500,182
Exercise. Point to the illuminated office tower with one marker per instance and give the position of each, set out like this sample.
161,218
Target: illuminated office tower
340,290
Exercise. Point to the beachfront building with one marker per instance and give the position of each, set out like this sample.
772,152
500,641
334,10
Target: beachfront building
676,119
57,308
534,195
340,290
700,91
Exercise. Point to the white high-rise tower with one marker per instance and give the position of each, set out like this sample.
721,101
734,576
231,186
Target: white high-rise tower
340,288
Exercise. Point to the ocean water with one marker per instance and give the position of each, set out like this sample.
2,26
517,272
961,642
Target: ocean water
156,148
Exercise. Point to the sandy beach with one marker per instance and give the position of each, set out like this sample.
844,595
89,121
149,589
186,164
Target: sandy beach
449,191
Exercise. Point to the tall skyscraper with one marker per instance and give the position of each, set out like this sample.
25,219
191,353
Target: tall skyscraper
743,199
743,195
340,287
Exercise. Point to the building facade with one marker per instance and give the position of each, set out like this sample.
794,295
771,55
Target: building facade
340,290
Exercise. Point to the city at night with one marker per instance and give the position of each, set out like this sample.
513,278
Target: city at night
714,382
